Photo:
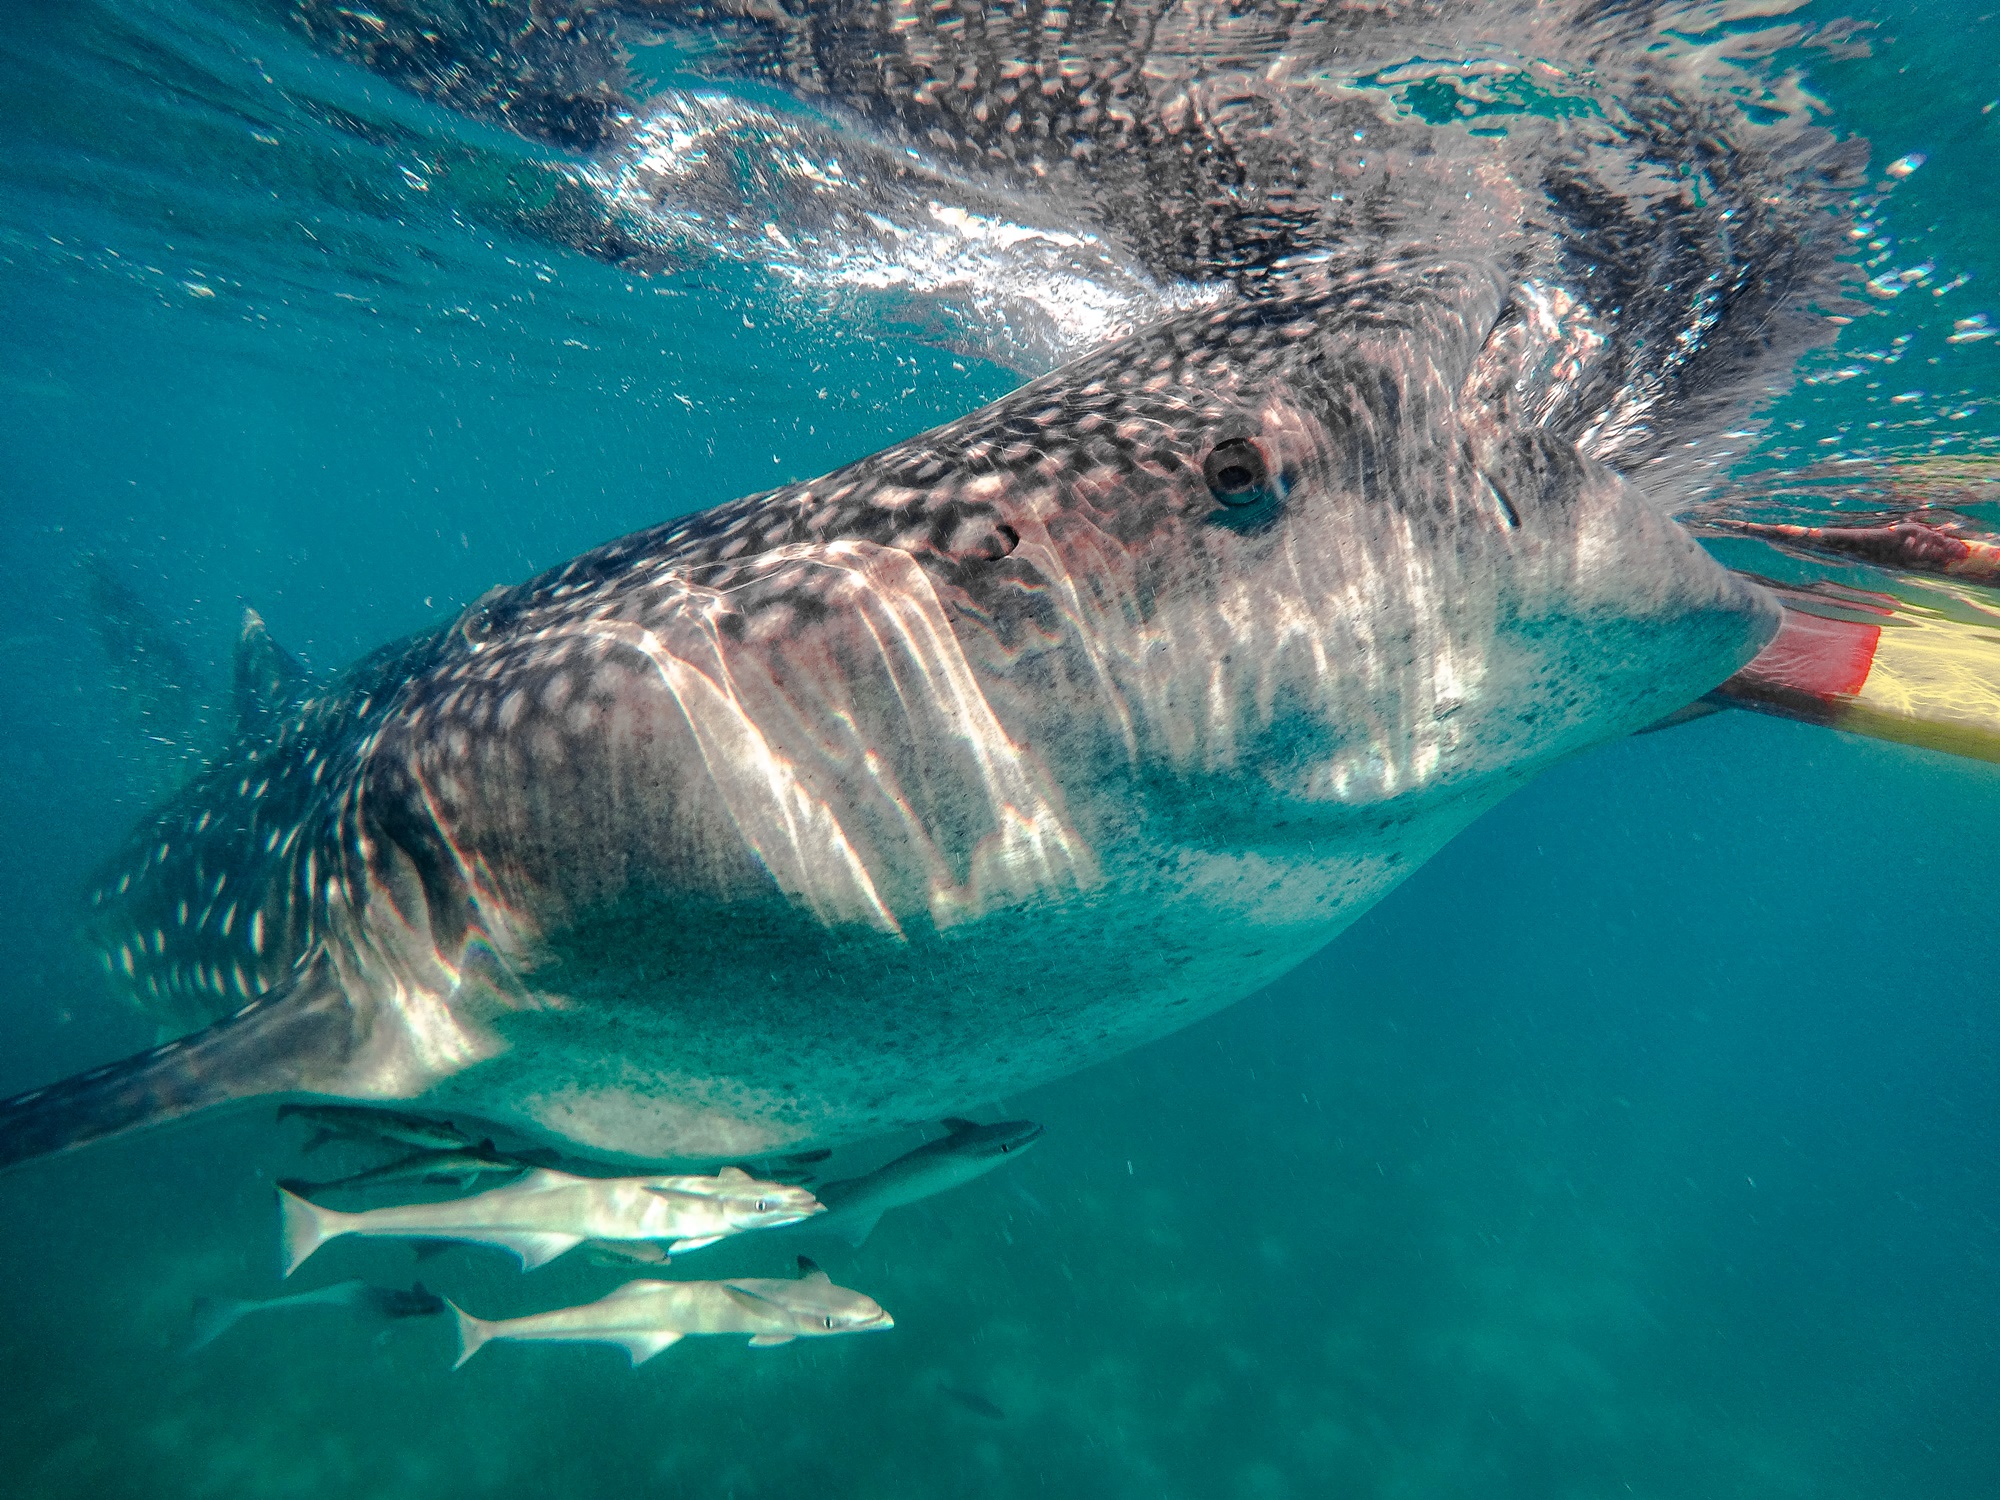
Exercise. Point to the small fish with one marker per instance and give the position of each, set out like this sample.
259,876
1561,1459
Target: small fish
972,1401
457,1167
855,1204
546,1213
625,1253
644,1317
215,1316
346,1122
1035,1205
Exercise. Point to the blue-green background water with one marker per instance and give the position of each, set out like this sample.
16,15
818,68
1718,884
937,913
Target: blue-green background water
1644,1143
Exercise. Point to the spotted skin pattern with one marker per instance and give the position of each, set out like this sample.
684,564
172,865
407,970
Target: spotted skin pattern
215,898
857,802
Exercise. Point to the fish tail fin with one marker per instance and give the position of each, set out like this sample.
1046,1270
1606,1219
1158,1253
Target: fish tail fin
299,1034
856,1228
307,1227
472,1332
213,1317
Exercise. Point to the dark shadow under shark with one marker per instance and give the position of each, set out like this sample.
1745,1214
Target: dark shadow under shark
851,804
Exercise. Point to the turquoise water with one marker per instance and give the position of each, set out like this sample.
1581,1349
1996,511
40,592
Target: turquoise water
1643,1143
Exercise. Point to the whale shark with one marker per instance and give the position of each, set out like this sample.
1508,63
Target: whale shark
853,804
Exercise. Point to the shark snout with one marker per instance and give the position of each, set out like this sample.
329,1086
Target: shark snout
982,1142
1021,1139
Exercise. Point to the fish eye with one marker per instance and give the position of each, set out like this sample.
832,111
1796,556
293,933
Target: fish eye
1236,472
829,1322
763,1205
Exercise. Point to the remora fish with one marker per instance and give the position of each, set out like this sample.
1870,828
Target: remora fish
625,1253
855,1204
731,837
645,1317
547,1213
334,1122
972,1401
215,1316
459,1167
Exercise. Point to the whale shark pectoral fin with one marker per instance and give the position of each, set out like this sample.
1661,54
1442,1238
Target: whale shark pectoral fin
766,1340
534,1248
294,1040
643,1346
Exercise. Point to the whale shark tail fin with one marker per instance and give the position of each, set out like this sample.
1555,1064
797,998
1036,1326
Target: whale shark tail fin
296,1037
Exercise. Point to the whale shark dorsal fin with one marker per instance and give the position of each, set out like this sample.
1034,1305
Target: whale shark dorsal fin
958,1124
809,1270
268,678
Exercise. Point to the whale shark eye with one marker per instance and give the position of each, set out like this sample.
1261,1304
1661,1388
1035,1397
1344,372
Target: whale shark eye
1236,473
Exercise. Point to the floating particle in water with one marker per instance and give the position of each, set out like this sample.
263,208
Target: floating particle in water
1903,166
1894,283
1970,330
1906,397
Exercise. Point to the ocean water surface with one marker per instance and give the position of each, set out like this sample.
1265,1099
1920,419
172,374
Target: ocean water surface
1643,1143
